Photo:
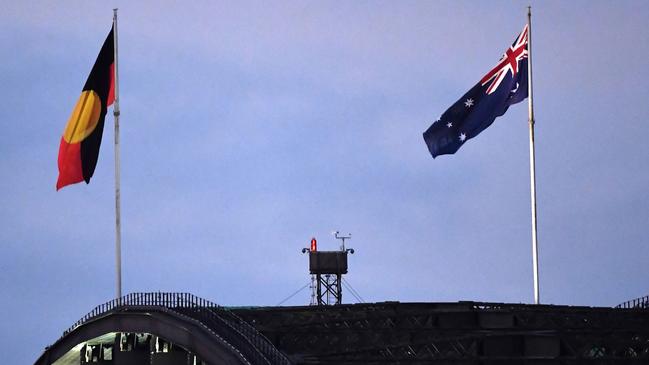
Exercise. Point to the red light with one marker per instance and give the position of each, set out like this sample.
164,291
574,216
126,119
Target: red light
314,244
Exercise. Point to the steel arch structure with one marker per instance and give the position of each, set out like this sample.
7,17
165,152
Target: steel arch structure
212,332
369,333
186,332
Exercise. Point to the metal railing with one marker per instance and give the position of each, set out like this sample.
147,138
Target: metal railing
232,327
642,302
169,300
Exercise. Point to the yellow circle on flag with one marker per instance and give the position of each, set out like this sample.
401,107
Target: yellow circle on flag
84,117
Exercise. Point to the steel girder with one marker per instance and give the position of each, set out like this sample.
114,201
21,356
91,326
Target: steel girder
455,332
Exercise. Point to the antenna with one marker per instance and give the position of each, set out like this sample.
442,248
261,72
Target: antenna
342,238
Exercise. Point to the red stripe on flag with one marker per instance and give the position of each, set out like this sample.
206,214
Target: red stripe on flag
70,171
111,89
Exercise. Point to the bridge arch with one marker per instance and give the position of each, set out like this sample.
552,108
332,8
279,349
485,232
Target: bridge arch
211,332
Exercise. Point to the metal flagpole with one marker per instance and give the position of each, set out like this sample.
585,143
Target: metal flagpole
530,99
118,228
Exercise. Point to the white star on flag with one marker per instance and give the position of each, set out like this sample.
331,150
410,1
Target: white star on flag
462,137
468,102
449,124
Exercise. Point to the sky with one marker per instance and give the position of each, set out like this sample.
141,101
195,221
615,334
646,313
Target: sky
249,127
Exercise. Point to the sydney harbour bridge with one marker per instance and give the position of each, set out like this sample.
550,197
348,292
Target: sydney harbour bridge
180,329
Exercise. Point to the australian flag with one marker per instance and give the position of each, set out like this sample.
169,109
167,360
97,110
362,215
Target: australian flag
504,85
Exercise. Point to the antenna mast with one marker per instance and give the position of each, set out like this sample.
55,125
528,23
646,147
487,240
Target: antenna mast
342,238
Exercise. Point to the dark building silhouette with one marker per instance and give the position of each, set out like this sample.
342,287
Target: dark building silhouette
181,329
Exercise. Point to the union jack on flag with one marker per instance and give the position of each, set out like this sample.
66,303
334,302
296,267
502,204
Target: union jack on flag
508,62
502,86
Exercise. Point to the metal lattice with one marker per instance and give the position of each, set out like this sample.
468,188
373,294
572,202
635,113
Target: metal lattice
467,331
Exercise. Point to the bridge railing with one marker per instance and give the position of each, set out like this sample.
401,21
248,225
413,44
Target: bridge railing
185,303
169,300
642,302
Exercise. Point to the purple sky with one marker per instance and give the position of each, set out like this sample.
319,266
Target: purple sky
246,129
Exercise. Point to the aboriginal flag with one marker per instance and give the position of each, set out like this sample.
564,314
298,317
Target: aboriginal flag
81,138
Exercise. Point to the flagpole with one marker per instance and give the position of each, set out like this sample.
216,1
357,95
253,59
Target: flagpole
118,228
530,99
